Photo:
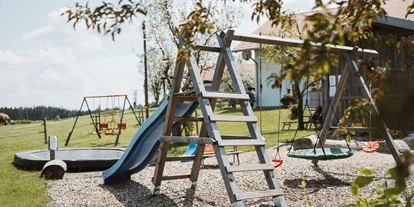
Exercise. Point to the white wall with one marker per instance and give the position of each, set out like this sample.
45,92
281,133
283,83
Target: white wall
270,97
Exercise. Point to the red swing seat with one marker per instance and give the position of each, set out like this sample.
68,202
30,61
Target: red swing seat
370,147
103,126
277,162
123,126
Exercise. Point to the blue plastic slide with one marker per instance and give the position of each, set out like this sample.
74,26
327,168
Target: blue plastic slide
144,144
190,151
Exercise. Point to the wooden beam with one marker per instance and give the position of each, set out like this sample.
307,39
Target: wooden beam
259,194
358,129
235,137
233,118
334,104
243,142
255,167
187,119
175,177
196,140
207,48
296,43
186,98
172,159
383,127
237,96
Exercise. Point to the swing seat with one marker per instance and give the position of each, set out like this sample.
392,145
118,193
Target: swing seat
95,133
123,126
111,133
103,126
370,147
209,148
277,162
318,154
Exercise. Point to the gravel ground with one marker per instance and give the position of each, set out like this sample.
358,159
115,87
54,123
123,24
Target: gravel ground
326,184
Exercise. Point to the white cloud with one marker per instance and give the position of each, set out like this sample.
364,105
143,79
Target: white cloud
9,57
60,65
59,33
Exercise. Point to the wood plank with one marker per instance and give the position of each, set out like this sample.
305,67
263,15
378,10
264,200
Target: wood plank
175,177
383,127
172,159
242,142
358,129
234,137
178,139
188,119
233,118
295,43
186,98
237,96
334,104
252,126
254,167
207,48
167,129
228,152
259,194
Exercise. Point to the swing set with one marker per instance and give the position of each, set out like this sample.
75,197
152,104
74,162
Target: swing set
110,126
319,152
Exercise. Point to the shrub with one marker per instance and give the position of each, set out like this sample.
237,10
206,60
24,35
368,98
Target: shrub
287,99
22,122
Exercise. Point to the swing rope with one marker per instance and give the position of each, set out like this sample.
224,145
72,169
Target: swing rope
319,153
277,160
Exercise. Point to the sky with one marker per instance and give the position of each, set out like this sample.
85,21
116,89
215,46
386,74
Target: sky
44,61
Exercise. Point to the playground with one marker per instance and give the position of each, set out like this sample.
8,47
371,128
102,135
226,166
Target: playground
324,184
284,170
295,185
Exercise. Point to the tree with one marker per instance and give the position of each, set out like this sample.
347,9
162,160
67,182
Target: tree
162,19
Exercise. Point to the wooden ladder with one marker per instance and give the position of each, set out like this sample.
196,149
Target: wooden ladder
210,133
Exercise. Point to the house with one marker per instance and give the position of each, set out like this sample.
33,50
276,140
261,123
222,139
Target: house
247,72
395,25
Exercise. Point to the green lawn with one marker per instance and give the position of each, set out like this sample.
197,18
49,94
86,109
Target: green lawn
26,188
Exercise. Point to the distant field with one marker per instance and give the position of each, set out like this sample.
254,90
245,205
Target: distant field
25,188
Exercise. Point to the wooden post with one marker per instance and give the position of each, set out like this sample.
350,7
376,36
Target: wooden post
45,129
196,115
53,146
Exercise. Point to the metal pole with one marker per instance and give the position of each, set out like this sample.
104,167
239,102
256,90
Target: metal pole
120,123
146,72
93,122
74,124
133,111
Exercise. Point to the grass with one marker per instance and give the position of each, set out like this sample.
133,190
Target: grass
26,188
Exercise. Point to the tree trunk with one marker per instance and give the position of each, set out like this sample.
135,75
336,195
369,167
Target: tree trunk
299,98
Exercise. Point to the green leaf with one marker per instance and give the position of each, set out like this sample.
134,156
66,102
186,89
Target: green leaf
392,191
354,189
363,181
366,171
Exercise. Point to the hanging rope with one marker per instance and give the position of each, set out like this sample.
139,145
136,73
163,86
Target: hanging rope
277,160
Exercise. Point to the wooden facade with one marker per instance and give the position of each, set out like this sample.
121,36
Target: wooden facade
400,79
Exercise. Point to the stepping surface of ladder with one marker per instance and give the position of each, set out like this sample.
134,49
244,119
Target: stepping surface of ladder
211,134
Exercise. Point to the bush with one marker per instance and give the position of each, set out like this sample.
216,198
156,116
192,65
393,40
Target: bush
22,122
294,112
287,99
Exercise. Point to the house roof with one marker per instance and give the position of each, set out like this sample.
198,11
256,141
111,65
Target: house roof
396,10
244,69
